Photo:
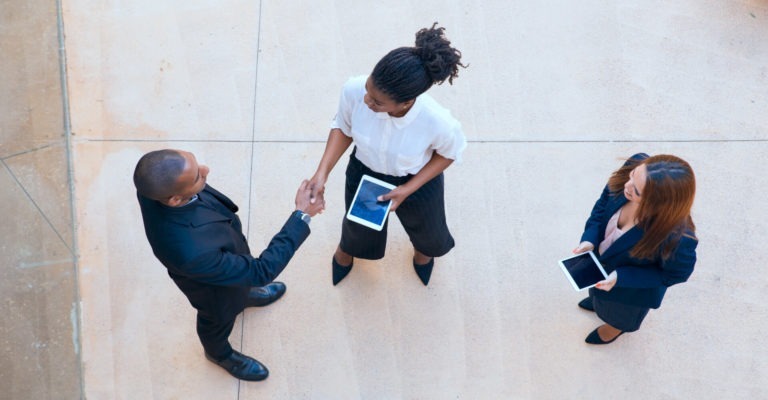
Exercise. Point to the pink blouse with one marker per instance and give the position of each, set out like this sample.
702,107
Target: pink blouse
612,232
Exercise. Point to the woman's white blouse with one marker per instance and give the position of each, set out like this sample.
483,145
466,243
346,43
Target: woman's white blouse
398,146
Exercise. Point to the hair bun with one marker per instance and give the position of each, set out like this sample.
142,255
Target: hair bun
440,59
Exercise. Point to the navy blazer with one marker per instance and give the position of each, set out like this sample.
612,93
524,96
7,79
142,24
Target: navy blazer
640,282
203,247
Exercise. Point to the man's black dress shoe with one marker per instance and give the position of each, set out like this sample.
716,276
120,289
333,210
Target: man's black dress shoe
424,271
587,304
339,271
594,338
242,367
265,295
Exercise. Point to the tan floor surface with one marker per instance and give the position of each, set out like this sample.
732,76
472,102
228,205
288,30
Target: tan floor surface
555,95
39,341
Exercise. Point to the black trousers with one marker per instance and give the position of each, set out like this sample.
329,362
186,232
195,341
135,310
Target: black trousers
214,335
422,215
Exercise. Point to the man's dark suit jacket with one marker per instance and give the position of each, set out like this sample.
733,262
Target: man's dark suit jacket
640,282
203,247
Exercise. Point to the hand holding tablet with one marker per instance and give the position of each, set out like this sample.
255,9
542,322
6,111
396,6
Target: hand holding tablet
366,209
583,270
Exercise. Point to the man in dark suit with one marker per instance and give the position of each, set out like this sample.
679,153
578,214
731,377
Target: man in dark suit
195,233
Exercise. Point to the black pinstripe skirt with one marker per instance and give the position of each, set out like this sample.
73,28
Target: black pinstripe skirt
623,317
422,215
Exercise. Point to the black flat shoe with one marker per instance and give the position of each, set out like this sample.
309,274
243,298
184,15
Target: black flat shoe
339,271
265,295
587,304
424,271
242,367
594,338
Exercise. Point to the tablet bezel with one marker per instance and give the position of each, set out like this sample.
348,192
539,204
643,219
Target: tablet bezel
568,274
365,222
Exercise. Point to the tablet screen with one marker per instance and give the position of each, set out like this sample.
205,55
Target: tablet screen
365,205
583,270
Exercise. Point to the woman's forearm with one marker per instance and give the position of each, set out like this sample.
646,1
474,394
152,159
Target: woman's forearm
436,165
337,144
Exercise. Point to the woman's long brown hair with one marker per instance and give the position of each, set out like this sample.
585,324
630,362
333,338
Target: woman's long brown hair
665,205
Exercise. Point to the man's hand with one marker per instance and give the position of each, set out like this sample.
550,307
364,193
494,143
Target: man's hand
397,195
304,203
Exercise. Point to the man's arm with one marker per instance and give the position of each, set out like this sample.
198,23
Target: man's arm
228,269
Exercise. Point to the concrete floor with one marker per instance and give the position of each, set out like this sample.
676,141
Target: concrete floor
554,96
39,341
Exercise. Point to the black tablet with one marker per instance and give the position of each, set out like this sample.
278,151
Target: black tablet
583,270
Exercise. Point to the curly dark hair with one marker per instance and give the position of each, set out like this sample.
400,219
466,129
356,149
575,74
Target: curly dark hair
406,72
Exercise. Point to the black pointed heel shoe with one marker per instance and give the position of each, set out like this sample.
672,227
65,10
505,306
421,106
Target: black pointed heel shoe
424,271
339,271
594,338
587,304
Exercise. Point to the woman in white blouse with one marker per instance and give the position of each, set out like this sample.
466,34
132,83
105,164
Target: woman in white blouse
401,136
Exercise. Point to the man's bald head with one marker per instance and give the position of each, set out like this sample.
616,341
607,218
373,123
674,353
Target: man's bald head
157,174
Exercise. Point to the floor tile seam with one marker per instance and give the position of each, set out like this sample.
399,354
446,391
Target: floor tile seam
253,127
37,207
32,150
68,137
250,171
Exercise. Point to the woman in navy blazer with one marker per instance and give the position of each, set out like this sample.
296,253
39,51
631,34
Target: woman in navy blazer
645,239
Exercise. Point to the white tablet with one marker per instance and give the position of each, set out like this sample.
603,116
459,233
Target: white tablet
365,209
583,270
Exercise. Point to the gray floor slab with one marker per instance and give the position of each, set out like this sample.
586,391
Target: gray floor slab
31,107
498,319
149,70
554,96
44,175
139,337
40,344
548,71
39,334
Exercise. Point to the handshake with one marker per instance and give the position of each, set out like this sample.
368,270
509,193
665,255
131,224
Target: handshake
307,201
